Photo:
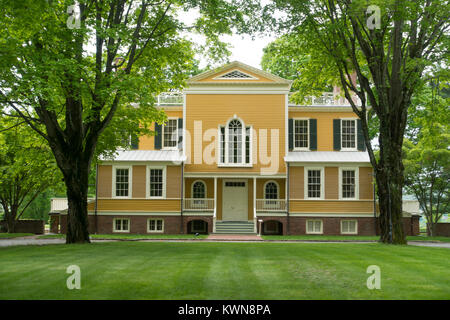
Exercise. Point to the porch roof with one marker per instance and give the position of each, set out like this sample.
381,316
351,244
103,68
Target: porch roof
146,155
328,156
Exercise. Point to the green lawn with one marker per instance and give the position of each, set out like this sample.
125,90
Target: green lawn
352,238
199,270
14,235
131,236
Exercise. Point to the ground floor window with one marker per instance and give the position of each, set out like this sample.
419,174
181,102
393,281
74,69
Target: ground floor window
121,225
198,226
155,225
349,227
314,226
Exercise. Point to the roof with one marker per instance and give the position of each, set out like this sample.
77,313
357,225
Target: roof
146,155
327,156
238,65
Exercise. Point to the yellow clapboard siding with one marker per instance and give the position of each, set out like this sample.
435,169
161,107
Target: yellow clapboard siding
324,125
138,205
148,142
311,206
104,181
262,112
365,183
331,183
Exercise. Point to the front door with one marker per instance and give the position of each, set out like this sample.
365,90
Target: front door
234,200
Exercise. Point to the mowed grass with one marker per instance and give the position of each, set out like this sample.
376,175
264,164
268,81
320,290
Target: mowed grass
186,270
14,235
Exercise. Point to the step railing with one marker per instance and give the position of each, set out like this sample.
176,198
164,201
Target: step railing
196,204
270,205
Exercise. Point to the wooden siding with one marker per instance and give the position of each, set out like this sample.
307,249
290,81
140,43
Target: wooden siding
219,200
104,181
209,187
331,183
365,183
250,199
138,181
324,206
148,142
173,182
260,188
324,125
296,183
137,205
258,111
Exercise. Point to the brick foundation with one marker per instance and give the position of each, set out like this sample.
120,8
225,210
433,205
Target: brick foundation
138,224
332,226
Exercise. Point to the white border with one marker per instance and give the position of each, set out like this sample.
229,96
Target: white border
155,231
147,181
321,226
308,135
356,135
121,231
322,182
356,169
356,226
130,181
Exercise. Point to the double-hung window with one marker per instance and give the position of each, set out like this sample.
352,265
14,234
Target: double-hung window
348,134
301,134
122,182
156,182
348,183
170,134
314,226
155,225
349,226
314,183
235,144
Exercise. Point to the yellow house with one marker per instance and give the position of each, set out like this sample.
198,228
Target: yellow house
236,156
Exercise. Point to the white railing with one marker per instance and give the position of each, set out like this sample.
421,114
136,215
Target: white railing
191,204
170,99
270,205
327,99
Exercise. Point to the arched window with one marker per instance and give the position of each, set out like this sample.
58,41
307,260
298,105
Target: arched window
199,194
271,195
199,190
235,143
271,190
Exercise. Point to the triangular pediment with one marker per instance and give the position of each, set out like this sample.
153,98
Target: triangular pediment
236,72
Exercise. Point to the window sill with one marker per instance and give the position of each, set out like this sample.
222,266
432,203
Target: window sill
162,231
301,149
119,231
353,149
235,165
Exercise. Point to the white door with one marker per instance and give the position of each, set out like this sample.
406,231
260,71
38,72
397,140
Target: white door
234,200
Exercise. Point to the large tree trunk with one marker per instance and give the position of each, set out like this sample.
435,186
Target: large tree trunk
76,180
389,176
10,221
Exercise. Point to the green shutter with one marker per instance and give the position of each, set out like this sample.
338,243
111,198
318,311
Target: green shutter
180,133
360,136
337,134
158,136
312,134
134,142
291,134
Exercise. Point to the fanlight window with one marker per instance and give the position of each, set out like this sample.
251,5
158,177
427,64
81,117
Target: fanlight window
235,74
199,193
271,194
234,143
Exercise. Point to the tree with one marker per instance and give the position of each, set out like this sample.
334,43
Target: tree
27,168
72,77
427,158
388,47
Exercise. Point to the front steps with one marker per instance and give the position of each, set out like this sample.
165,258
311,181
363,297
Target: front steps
235,227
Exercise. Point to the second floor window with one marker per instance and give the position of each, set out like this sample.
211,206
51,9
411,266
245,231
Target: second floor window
235,143
170,137
348,134
301,134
